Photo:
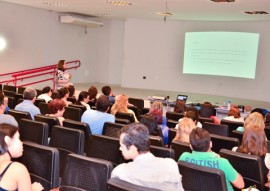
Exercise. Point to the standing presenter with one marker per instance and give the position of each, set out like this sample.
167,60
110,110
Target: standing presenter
62,76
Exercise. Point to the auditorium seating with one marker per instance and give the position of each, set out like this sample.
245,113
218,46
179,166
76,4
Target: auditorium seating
232,125
222,130
221,142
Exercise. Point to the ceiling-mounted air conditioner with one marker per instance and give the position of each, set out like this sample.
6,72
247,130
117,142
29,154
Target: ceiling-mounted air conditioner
79,20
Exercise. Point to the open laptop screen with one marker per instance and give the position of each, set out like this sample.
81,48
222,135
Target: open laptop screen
182,97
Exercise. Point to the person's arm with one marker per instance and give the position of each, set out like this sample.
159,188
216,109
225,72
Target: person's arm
239,182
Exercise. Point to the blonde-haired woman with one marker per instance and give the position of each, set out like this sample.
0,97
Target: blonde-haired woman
253,120
185,126
121,105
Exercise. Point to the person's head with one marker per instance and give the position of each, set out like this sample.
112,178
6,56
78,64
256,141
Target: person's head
47,90
150,122
180,106
93,92
192,115
57,106
254,120
30,94
185,126
206,110
200,140
258,110
3,103
134,140
103,103
267,119
63,93
235,112
71,90
120,105
10,141
106,90
83,97
61,65
254,142
156,110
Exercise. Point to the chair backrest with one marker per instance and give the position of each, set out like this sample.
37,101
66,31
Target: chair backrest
116,184
43,107
42,163
135,110
20,90
9,93
139,103
79,126
39,92
162,152
122,121
238,135
51,121
38,101
84,173
55,95
34,131
267,132
179,148
221,142
212,128
156,141
10,88
249,166
67,141
205,119
128,116
232,125
72,100
73,113
201,178
145,111
171,123
112,129
171,135
18,115
11,102
174,116
82,107
104,147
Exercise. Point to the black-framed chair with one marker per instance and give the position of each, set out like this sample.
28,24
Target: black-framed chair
82,107
179,148
51,121
116,184
156,141
84,173
217,129
38,101
104,147
112,129
221,142
11,102
10,88
139,103
128,116
43,107
79,126
20,90
72,100
39,92
249,166
9,93
174,116
171,123
238,134
232,125
201,178
145,111
171,135
18,115
162,152
122,121
267,132
67,141
73,113
42,163
135,110
202,120
34,131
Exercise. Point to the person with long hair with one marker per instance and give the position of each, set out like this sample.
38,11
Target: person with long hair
83,99
254,119
13,175
234,115
180,106
62,77
63,95
185,126
121,105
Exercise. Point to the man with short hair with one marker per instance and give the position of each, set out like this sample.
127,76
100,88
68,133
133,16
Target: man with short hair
5,118
107,91
96,118
29,96
200,143
145,169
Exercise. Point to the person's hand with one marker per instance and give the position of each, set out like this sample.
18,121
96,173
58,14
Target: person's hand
36,186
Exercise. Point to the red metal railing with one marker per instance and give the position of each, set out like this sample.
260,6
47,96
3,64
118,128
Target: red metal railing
37,72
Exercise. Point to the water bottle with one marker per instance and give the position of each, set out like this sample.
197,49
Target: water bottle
229,105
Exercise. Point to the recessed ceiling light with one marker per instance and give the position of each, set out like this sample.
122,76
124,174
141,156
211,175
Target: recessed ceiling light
256,12
119,3
56,4
164,14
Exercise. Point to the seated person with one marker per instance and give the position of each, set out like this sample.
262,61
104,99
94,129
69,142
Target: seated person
200,143
46,94
121,105
13,175
92,95
180,106
57,108
234,115
207,111
107,91
185,126
29,96
6,118
83,99
254,119
145,169
192,115
63,95
96,118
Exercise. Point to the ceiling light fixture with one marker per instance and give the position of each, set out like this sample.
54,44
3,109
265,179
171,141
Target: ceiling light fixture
119,3
55,4
256,12
167,13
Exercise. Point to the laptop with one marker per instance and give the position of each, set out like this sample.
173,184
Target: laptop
182,97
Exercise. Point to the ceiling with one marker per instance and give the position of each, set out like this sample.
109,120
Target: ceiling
189,10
